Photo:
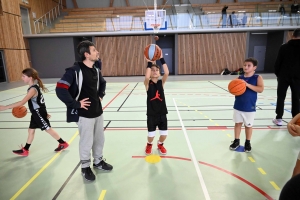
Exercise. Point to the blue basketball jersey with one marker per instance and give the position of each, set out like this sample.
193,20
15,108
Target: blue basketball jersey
247,101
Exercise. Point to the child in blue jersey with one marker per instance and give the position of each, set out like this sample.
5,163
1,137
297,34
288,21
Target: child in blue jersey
245,104
37,107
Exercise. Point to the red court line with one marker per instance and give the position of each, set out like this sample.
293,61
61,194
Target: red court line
173,157
240,178
115,97
223,170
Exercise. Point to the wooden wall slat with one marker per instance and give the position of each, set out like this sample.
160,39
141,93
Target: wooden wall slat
123,56
210,53
11,6
19,60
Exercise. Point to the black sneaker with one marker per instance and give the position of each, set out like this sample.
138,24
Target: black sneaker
88,174
247,147
235,144
102,165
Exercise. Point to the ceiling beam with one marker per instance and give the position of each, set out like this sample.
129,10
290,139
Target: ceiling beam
75,3
111,3
127,3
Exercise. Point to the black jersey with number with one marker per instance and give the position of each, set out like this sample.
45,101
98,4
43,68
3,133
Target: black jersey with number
36,102
156,103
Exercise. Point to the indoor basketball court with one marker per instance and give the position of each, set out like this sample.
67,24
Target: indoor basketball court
198,165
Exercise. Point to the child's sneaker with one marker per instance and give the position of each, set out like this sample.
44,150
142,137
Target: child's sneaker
148,150
247,147
162,150
102,165
235,144
61,147
277,122
88,174
21,152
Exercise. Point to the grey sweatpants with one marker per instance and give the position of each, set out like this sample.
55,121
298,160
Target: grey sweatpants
91,138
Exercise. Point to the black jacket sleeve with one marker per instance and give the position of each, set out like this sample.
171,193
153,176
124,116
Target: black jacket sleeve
278,61
62,89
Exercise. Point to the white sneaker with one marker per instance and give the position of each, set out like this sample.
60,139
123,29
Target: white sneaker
277,122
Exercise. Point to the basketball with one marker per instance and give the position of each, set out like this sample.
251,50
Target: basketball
237,87
19,112
152,52
156,38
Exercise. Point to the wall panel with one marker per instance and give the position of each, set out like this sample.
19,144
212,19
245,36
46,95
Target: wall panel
210,53
122,56
11,6
16,61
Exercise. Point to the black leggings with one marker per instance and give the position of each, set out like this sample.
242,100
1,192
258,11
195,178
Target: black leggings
282,86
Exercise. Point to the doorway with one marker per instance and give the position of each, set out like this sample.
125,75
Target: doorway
2,68
25,21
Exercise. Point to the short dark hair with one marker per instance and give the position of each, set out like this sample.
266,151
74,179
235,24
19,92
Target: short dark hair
84,47
296,33
252,60
155,65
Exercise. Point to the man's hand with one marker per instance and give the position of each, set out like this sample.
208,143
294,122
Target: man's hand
84,103
48,116
292,130
100,99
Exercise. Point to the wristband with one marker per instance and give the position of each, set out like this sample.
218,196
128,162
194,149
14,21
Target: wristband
149,65
162,60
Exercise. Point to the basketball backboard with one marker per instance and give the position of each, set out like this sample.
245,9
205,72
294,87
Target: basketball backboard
155,20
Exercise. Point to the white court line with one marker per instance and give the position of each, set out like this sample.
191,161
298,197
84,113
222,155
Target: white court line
205,97
204,189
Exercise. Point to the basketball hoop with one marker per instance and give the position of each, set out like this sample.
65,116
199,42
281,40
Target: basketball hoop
155,27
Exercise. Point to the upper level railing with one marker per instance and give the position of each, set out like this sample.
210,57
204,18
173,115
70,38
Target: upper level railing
179,17
46,19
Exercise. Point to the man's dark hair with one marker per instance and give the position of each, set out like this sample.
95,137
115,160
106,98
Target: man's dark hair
155,65
296,33
252,60
84,47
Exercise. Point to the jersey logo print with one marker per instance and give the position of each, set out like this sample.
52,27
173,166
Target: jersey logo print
157,95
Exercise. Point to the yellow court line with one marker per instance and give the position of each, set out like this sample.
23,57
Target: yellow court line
261,171
228,135
40,171
251,159
217,124
274,185
211,120
102,195
205,116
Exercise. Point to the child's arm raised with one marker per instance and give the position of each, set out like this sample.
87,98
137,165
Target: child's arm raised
259,87
147,74
166,69
28,96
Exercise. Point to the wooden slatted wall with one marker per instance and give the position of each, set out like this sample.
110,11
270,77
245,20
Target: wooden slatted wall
15,47
124,55
210,53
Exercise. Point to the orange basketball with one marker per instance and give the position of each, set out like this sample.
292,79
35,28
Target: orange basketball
237,87
19,112
152,52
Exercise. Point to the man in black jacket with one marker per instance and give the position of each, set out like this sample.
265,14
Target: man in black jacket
287,70
82,88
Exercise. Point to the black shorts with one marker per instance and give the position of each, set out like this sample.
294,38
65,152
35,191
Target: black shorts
159,121
39,120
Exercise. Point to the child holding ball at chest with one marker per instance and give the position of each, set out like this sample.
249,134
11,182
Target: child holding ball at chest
245,104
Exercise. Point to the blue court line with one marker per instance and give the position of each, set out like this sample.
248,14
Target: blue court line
274,104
